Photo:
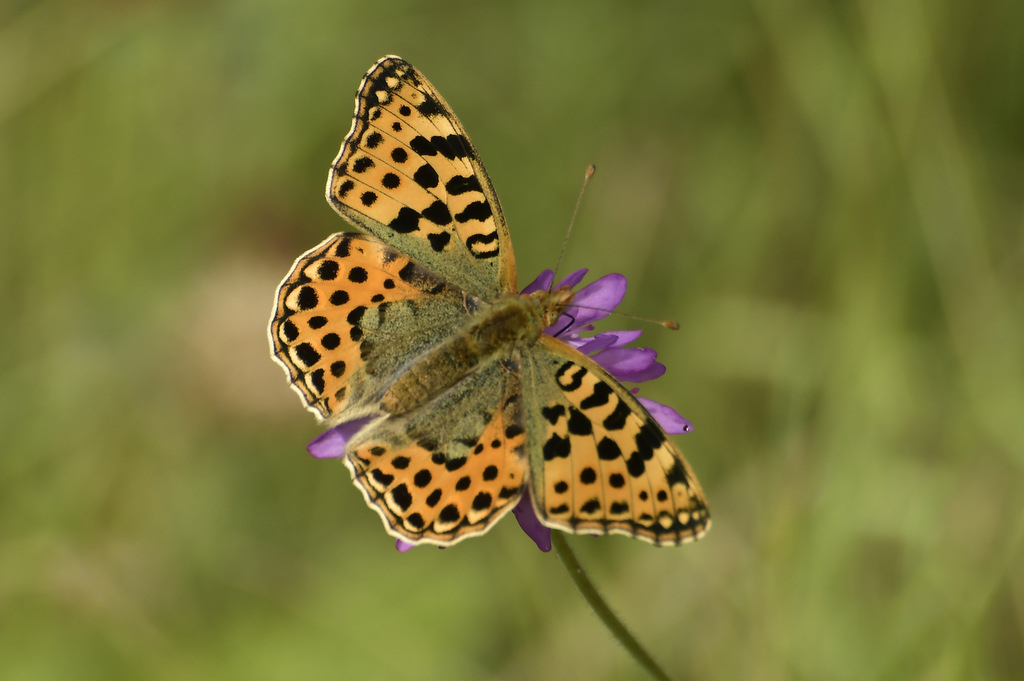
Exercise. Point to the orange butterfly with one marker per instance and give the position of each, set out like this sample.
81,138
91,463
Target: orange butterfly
450,394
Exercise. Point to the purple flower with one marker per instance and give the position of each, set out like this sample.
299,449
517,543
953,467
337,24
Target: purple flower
331,443
592,303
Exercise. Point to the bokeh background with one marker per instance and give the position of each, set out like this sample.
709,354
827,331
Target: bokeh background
827,196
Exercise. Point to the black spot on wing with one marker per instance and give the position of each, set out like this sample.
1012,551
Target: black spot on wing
400,495
478,210
426,177
327,269
444,147
382,478
556,447
317,380
355,316
439,241
607,450
677,474
407,220
429,107
475,242
307,298
598,398
422,146
617,419
579,424
455,464
482,501
449,514
619,508
569,382
438,213
460,185
342,248
553,413
307,354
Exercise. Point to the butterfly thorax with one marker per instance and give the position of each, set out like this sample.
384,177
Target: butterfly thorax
493,333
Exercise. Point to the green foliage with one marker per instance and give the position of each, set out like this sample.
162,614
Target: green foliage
827,196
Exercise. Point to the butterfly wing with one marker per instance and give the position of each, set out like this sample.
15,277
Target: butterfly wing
599,463
350,317
408,173
450,469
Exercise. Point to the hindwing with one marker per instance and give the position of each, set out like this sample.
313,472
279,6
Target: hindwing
599,463
351,315
450,469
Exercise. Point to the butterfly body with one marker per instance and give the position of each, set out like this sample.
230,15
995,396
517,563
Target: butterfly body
417,331
496,333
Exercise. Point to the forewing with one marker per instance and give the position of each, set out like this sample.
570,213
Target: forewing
599,463
408,173
350,316
452,468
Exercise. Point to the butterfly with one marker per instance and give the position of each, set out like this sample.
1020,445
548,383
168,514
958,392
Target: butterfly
415,329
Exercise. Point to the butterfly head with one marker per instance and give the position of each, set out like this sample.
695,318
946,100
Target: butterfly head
550,305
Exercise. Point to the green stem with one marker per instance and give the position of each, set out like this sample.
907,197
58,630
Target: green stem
600,607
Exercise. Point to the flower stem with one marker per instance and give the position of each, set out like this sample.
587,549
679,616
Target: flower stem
601,609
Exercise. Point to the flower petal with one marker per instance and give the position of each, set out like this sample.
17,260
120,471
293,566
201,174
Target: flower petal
542,282
632,365
572,279
667,417
605,340
655,370
403,546
531,525
604,294
544,279
331,443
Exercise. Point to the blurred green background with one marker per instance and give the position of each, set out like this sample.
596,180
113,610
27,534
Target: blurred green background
827,196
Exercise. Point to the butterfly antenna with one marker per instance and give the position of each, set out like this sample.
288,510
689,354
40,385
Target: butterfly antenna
589,173
667,323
